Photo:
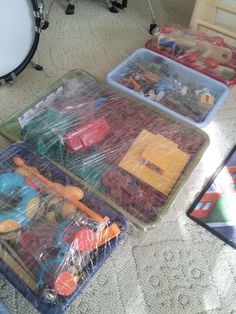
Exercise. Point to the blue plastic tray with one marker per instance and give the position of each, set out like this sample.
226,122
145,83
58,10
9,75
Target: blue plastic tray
58,175
171,71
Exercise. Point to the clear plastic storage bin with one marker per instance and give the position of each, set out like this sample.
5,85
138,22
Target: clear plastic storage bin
165,84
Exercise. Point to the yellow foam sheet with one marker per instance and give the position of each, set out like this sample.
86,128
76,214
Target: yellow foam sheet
159,151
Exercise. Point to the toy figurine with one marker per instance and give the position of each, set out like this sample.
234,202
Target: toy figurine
205,97
57,209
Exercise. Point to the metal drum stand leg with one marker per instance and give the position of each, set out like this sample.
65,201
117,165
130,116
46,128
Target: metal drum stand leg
113,5
154,23
70,8
43,25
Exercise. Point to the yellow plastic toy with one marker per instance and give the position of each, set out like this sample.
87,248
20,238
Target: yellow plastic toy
207,99
58,210
155,160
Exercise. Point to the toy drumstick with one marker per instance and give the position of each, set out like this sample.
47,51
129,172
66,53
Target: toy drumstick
108,234
11,262
71,193
135,85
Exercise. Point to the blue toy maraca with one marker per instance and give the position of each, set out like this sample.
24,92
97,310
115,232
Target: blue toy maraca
26,207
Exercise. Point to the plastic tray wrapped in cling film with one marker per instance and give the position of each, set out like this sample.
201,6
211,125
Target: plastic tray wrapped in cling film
135,156
54,232
205,53
172,87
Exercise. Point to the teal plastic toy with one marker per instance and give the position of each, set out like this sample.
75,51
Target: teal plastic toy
14,183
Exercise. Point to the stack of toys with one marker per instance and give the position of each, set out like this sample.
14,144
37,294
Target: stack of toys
210,55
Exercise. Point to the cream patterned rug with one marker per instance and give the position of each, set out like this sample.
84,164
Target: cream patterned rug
179,267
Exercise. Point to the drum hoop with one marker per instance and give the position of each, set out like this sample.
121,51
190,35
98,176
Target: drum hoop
11,75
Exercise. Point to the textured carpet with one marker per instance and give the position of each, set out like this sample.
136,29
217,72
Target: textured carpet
179,267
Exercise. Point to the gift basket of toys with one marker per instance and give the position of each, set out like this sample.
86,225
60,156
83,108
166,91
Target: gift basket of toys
54,232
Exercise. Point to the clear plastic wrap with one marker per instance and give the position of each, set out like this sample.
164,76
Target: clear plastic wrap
163,83
54,232
210,55
135,156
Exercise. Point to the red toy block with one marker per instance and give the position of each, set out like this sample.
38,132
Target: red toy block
205,205
87,135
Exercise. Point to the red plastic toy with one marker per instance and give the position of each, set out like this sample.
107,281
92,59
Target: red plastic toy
87,136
